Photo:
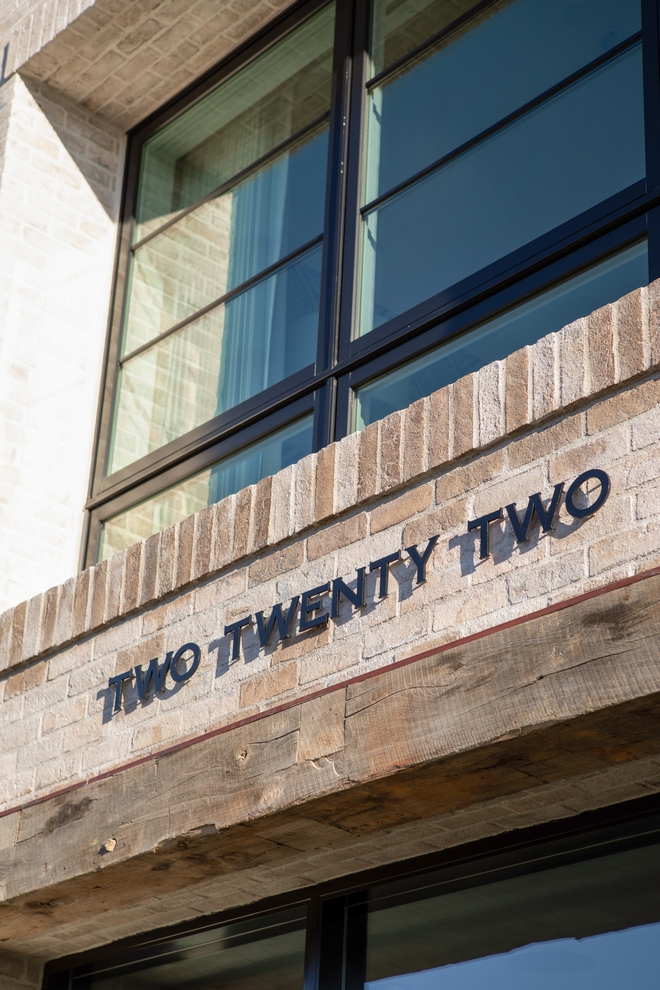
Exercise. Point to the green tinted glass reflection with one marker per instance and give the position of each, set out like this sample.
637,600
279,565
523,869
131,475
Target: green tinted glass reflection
226,241
254,111
262,954
246,467
241,347
398,26
525,324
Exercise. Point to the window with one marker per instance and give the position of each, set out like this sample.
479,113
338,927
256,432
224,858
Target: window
570,906
264,953
306,249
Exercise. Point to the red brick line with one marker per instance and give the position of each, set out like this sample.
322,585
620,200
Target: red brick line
292,702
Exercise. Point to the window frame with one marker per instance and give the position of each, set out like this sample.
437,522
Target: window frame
335,950
343,361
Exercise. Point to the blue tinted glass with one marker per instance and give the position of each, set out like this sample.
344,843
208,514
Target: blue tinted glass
557,161
225,241
603,962
498,62
270,330
256,339
266,457
523,325
277,210
593,925
245,467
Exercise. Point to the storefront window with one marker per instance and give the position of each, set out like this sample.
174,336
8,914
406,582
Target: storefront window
593,925
260,954
572,910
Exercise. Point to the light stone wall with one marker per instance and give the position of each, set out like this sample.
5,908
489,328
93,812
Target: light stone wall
60,175
57,724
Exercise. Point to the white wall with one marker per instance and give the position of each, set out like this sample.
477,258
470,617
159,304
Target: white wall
60,178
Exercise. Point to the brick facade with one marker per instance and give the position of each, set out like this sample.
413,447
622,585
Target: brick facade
76,76
491,439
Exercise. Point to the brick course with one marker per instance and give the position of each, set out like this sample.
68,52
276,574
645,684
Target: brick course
59,686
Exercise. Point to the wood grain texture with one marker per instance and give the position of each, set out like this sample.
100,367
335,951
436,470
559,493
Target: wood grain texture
561,695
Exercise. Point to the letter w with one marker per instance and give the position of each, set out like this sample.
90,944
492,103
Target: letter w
283,622
535,506
154,673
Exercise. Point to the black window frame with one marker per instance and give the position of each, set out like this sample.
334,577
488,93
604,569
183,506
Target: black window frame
344,362
335,946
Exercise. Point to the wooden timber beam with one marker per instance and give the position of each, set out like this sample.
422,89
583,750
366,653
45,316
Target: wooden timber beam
550,698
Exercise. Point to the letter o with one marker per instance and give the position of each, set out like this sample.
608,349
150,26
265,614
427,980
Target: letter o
588,510
197,654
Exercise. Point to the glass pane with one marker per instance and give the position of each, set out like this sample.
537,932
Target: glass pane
231,474
569,154
266,954
588,926
227,240
254,111
495,64
258,338
398,26
546,313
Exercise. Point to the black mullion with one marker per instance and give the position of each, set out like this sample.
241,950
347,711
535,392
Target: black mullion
332,949
227,297
651,63
234,180
500,125
334,219
312,944
353,183
355,972
118,302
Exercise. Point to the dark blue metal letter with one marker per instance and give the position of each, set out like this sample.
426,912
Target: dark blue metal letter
283,622
588,510
307,608
420,560
482,524
235,629
196,656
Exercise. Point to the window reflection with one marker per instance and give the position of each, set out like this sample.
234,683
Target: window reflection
593,925
496,184
231,474
224,274
494,340
266,954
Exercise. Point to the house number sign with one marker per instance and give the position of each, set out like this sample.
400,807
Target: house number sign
318,606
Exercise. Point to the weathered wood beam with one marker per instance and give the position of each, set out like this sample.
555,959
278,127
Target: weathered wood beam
554,697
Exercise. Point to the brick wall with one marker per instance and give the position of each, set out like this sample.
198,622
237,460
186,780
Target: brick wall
121,60
59,188
517,427
18,972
